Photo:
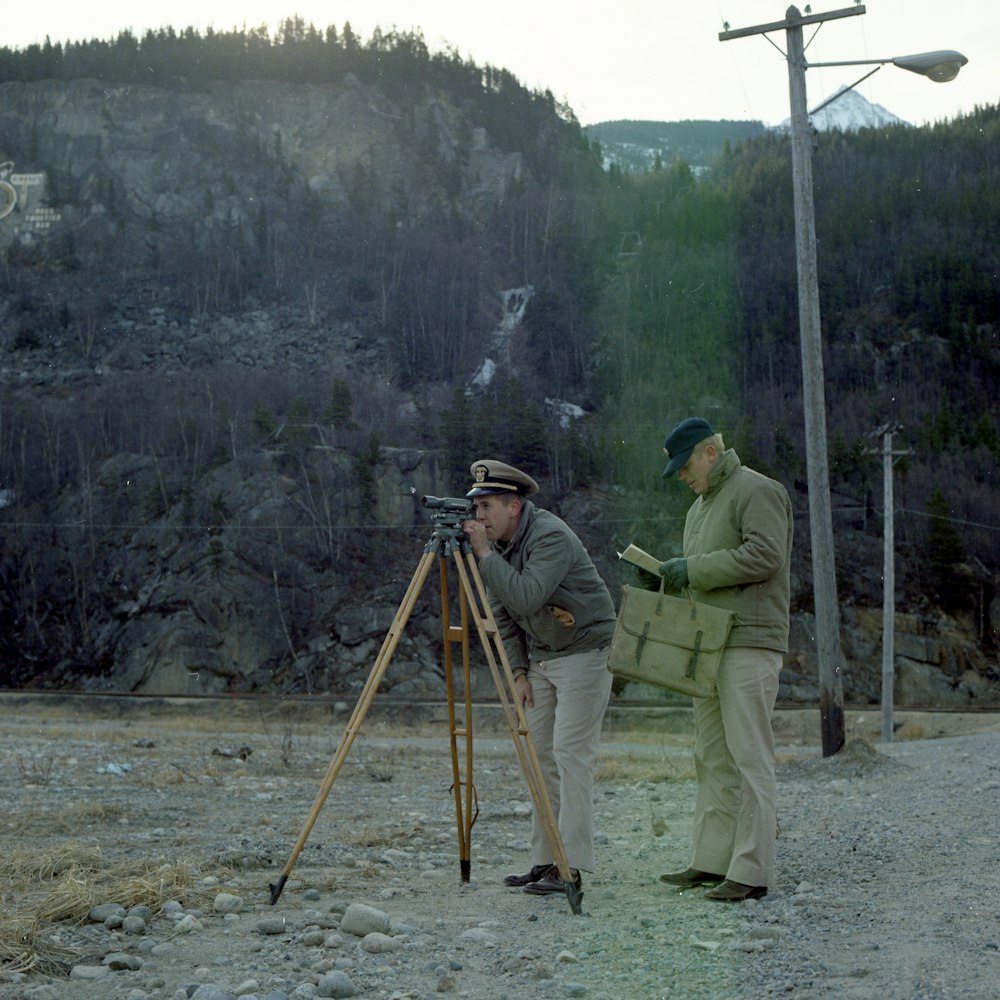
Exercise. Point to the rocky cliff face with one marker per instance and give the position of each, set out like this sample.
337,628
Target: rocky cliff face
129,214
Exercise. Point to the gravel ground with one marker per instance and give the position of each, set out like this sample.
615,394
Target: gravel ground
887,887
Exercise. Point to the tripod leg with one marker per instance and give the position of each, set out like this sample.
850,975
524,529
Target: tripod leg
465,816
389,645
489,635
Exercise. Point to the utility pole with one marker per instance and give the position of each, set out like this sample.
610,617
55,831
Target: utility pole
828,652
885,432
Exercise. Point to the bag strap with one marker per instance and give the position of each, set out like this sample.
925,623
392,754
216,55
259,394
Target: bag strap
641,642
659,604
694,608
692,663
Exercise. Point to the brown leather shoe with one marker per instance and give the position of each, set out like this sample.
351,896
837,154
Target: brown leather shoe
691,877
533,876
551,882
736,892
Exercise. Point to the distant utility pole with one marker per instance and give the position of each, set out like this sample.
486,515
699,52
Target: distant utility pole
885,432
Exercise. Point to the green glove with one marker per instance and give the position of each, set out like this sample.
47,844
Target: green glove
674,573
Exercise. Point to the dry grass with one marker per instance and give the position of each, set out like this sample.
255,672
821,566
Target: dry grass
19,870
911,729
628,768
64,822
63,884
36,772
384,837
380,766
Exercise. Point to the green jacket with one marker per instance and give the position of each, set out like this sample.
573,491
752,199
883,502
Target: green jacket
545,592
738,544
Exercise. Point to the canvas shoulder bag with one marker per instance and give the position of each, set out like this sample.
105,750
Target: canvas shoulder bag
670,642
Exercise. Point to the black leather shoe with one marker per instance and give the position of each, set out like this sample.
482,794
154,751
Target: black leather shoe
736,892
533,876
691,877
552,882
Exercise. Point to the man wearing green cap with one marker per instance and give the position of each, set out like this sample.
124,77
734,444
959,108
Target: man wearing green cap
737,554
556,619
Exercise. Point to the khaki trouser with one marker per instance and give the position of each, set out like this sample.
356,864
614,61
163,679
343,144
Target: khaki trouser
571,694
735,820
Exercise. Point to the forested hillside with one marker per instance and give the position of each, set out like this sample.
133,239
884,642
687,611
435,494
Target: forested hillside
910,296
280,269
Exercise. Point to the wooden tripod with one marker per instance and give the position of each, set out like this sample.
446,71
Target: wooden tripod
449,543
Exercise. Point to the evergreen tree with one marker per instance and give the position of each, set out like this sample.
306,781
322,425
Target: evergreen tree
945,550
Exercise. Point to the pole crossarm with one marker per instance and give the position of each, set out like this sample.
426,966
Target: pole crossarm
793,20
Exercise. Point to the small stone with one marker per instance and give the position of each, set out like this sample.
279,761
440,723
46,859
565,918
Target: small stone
119,961
361,919
272,925
478,935
705,945
89,972
336,984
379,944
207,991
225,902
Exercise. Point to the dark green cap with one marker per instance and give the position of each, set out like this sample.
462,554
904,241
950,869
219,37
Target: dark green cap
681,441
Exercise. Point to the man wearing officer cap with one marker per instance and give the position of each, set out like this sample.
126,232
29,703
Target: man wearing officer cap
556,619
737,551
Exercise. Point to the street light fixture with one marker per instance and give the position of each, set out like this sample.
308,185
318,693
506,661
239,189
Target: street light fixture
940,67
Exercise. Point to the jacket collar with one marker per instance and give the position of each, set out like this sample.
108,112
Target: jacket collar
724,470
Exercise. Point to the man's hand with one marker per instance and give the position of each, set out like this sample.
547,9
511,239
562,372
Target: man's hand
523,686
476,534
674,573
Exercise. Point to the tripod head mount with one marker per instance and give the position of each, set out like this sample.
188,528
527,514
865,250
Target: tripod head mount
448,513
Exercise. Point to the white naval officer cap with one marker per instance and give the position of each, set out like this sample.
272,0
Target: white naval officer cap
492,477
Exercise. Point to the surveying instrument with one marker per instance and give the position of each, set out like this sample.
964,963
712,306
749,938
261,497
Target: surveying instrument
447,544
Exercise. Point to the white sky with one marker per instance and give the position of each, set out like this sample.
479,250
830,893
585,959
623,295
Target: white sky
639,59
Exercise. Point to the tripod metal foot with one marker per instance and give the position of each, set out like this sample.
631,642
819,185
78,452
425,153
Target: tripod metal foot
276,888
574,895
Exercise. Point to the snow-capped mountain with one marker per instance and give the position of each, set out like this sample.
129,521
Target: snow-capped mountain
848,111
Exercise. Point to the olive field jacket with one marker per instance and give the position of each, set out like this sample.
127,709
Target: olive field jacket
545,592
738,545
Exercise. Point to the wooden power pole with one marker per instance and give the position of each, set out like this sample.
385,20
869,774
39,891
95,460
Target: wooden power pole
828,652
